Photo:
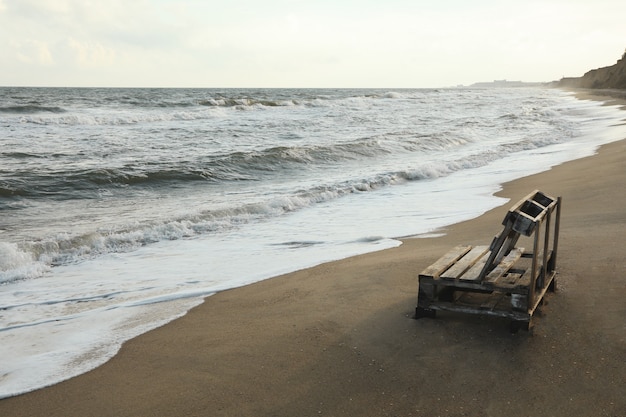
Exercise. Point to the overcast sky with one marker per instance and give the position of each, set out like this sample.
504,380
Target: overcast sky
304,43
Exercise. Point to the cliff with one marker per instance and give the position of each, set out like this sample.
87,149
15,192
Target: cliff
606,77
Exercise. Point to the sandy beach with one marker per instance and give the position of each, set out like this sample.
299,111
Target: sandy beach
339,339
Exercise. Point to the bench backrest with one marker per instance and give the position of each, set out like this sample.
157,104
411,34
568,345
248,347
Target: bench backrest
522,218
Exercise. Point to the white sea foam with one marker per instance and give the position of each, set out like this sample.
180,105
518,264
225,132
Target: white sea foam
16,264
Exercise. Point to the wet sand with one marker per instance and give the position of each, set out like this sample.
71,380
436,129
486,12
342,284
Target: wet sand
339,339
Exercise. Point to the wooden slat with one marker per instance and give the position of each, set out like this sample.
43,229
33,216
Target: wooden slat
524,280
506,234
541,196
524,223
465,263
508,281
473,274
519,203
513,282
504,265
447,260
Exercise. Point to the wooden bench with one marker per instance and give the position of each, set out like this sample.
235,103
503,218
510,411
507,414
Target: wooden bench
500,279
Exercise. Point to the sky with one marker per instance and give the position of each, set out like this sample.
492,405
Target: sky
299,43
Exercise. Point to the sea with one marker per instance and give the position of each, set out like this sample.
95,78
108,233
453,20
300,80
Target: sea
121,209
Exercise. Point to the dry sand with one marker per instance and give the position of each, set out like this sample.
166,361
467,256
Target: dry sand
339,339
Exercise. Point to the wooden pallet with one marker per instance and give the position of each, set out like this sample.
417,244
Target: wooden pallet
500,279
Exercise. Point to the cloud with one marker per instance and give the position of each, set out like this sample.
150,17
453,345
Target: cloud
301,43
91,55
33,52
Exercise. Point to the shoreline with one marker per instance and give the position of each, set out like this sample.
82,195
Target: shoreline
338,338
610,97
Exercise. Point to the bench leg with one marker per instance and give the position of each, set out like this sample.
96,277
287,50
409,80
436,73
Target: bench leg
516,325
425,295
552,286
421,312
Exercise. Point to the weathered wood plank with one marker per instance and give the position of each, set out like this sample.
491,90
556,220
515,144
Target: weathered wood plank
473,274
517,205
530,211
465,263
544,200
524,223
504,265
508,279
512,282
524,280
519,302
447,260
507,234
472,309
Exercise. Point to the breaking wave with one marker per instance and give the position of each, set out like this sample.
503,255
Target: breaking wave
31,109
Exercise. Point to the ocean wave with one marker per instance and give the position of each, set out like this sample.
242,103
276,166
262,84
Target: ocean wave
344,155
70,181
20,155
111,119
160,107
31,259
18,264
246,102
31,109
